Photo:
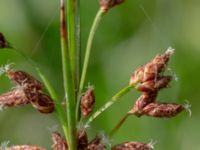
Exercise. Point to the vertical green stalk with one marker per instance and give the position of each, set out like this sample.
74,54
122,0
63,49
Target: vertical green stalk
78,44
68,82
72,42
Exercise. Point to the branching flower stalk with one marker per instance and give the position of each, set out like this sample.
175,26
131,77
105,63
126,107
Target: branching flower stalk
148,79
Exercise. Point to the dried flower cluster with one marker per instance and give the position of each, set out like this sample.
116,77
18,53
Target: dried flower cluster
87,102
149,79
27,90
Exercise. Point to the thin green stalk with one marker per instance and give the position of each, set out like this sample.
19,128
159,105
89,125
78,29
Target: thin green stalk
78,45
68,82
72,41
59,110
93,29
119,124
113,100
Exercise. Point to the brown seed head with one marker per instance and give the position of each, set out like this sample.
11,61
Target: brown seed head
59,142
141,102
108,4
82,140
154,85
87,102
13,98
151,70
96,144
162,110
25,147
42,102
132,146
22,78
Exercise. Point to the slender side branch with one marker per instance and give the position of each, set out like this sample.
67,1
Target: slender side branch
72,41
93,29
114,99
68,82
59,110
119,124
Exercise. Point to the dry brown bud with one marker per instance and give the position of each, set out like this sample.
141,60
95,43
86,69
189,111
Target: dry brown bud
141,102
87,102
22,78
13,98
82,140
108,4
132,146
3,42
154,85
151,70
25,147
96,144
162,110
42,102
59,142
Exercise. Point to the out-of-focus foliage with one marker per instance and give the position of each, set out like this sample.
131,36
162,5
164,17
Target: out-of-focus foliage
129,36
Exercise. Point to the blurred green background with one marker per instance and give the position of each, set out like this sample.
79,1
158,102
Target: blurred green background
129,35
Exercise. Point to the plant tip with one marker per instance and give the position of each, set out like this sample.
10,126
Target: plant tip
187,107
152,143
170,51
4,145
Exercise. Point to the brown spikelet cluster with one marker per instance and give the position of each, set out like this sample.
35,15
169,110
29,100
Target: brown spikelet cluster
108,4
82,139
96,144
132,146
161,110
149,80
27,90
21,78
87,102
59,142
12,98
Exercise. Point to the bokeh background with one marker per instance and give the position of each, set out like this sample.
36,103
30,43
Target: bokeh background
129,35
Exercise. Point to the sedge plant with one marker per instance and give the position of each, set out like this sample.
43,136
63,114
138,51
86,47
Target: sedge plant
149,79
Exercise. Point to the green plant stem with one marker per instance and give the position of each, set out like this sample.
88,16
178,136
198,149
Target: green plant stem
119,124
68,82
72,41
93,29
78,45
59,110
113,100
